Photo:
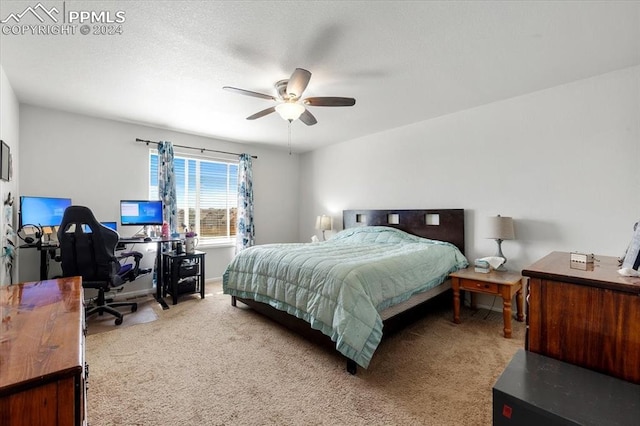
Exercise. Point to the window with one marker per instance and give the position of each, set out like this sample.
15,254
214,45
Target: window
206,194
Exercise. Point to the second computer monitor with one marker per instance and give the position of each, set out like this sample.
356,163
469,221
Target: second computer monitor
140,212
110,225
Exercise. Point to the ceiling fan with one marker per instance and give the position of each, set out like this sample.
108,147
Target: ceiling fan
291,106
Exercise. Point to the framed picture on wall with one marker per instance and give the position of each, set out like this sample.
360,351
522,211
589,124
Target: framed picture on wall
5,161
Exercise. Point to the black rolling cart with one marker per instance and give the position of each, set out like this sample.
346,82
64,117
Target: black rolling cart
183,274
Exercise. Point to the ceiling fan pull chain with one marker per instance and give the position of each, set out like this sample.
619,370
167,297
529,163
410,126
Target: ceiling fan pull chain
289,137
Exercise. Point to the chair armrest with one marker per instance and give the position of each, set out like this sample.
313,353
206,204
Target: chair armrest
135,254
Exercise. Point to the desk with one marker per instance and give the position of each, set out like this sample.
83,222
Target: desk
159,250
45,249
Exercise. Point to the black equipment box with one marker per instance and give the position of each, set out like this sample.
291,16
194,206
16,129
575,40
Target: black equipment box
188,285
188,269
537,390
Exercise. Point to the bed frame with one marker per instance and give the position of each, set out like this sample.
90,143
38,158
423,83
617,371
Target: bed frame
437,224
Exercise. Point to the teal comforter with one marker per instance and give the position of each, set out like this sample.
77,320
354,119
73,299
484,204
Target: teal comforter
340,285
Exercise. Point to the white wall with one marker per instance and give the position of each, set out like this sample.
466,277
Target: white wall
563,162
10,134
96,162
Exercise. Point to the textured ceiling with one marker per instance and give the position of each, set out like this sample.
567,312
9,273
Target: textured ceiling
404,62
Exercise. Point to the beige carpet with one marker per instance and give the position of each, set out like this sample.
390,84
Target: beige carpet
204,362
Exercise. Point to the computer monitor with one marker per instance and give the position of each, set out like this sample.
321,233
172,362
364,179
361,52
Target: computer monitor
42,211
110,225
140,212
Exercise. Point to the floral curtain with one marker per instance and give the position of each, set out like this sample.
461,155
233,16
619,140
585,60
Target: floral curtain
167,185
245,227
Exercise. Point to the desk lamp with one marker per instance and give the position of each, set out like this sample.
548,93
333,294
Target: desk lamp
500,229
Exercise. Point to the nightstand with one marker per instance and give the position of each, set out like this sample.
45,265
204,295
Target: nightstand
183,274
505,284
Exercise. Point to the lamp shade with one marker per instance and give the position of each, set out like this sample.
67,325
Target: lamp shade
323,223
289,111
501,228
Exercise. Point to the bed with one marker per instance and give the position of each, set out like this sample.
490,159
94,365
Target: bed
383,263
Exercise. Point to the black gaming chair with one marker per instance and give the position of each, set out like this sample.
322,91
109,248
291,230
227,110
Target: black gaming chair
87,249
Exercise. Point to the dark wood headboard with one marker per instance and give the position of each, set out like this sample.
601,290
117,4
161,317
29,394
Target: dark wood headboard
449,227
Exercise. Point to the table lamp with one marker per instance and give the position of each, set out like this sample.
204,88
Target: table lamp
500,229
324,224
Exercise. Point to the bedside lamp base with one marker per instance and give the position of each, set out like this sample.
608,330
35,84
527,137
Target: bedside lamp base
500,268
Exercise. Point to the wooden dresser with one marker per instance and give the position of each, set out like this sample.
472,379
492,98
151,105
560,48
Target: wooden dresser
589,317
42,366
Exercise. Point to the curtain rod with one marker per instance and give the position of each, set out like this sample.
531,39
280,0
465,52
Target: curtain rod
190,147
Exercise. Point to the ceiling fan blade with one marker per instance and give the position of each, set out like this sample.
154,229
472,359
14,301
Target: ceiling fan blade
308,118
249,93
298,82
329,101
262,113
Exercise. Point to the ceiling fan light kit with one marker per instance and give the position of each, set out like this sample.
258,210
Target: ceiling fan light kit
289,93
290,111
